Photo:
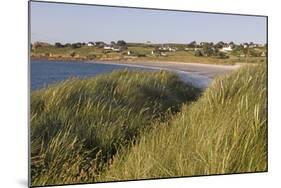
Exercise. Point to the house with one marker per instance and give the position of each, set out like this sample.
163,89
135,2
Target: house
226,49
107,47
163,54
189,49
263,54
245,45
157,53
253,45
165,48
172,49
116,49
90,44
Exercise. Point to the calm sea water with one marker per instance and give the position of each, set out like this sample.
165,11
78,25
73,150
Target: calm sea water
44,72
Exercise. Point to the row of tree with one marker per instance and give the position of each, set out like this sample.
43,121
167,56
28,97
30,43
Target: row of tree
100,44
219,44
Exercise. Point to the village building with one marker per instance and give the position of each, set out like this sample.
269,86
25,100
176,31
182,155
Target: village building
227,48
90,44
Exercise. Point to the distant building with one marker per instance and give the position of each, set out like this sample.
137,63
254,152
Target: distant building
107,47
158,53
90,44
189,49
163,54
226,48
116,49
165,48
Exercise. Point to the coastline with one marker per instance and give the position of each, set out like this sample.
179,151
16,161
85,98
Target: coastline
200,75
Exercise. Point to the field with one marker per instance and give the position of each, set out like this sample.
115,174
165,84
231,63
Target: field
134,125
141,53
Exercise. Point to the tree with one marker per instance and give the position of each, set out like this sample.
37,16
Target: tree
58,45
193,44
121,43
72,54
207,49
113,43
100,44
219,44
40,44
198,53
221,55
76,45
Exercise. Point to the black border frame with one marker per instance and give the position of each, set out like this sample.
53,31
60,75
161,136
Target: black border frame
117,6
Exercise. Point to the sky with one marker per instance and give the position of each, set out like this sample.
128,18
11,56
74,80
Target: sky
54,22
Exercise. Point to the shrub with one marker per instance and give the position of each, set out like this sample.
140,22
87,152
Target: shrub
58,45
91,56
72,53
222,55
198,53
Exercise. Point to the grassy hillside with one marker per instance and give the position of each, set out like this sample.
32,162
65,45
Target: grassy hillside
78,125
94,53
225,131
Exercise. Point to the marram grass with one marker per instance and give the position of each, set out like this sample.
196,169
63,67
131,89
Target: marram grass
78,125
225,131
123,126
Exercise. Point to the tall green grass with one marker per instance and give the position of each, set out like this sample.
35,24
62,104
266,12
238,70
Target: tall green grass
225,131
78,125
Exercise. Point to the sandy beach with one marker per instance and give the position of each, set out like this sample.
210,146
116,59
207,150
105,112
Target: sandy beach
198,74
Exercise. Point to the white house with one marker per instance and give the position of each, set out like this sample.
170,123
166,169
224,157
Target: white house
116,49
107,47
172,49
90,44
163,54
226,49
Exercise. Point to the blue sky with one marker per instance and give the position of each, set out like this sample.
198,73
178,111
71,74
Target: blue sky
78,23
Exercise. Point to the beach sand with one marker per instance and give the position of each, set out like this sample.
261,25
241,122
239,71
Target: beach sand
200,75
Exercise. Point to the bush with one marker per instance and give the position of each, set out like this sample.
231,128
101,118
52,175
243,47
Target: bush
58,45
141,55
198,53
91,56
72,54
76,45
222,55
47,54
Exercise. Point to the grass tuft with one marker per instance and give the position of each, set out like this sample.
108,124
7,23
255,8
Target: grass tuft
225,131
78,125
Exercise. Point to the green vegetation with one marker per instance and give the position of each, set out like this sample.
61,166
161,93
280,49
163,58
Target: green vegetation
78,125
205,53
134,125
225,131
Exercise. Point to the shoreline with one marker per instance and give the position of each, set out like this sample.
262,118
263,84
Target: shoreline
198,74
126,59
